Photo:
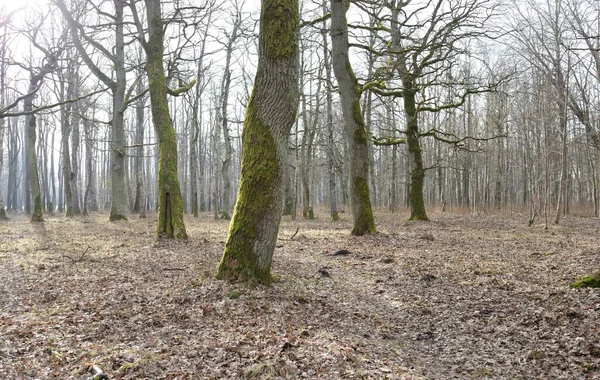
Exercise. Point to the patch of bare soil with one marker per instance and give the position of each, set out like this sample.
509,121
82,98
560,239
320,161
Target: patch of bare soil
459,297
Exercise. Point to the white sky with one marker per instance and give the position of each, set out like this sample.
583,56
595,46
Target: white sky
11,5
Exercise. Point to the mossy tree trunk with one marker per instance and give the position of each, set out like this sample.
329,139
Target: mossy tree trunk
270,115
417,171
170,202
356,132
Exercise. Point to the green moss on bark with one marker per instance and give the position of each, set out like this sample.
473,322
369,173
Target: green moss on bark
170,203
260,175
36,215
279,23
364,223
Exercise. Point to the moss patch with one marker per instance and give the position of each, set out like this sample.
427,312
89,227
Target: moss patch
587,282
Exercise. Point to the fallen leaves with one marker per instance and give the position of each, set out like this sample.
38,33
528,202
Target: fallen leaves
461,297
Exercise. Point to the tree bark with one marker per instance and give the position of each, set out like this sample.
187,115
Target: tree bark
356,132
170,202
417,170
270,114
90,201
333,212
75,119
138,163
32,169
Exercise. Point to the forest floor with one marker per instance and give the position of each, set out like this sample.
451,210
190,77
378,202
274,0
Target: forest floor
461,296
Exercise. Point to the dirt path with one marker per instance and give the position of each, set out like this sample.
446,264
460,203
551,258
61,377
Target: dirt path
459,297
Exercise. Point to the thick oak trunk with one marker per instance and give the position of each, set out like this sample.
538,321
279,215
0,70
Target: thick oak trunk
269,118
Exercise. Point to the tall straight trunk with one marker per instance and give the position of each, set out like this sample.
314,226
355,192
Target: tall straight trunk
333,212
45,146
32,169
196,132
65,156
306,150
13,166
356,132
170,202
270,115
3,68
417,172
117,151
223,115
75,119
90,201
138,163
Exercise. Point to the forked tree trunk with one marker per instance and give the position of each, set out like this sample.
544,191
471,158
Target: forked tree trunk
417,170
170,202
270,114
356,132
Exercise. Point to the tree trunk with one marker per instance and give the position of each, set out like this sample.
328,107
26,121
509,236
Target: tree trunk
223,115
3,68
65,156
75,119
356,133
32,169
333,212
90,201
417,171
138,163
117,151
270,114
170,202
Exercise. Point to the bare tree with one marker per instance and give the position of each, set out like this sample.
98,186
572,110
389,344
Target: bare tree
270,115
354,125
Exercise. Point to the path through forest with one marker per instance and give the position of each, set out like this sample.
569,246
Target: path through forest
459,297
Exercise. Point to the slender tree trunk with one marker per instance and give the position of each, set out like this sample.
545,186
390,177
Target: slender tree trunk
75,119
13,155
138,163
356,132
32,169
117,151
270,114
3,68
170,202
333,212
90,201
223,115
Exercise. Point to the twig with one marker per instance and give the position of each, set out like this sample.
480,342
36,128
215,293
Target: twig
295,233
73,261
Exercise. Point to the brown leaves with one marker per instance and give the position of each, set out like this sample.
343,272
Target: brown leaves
470,303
